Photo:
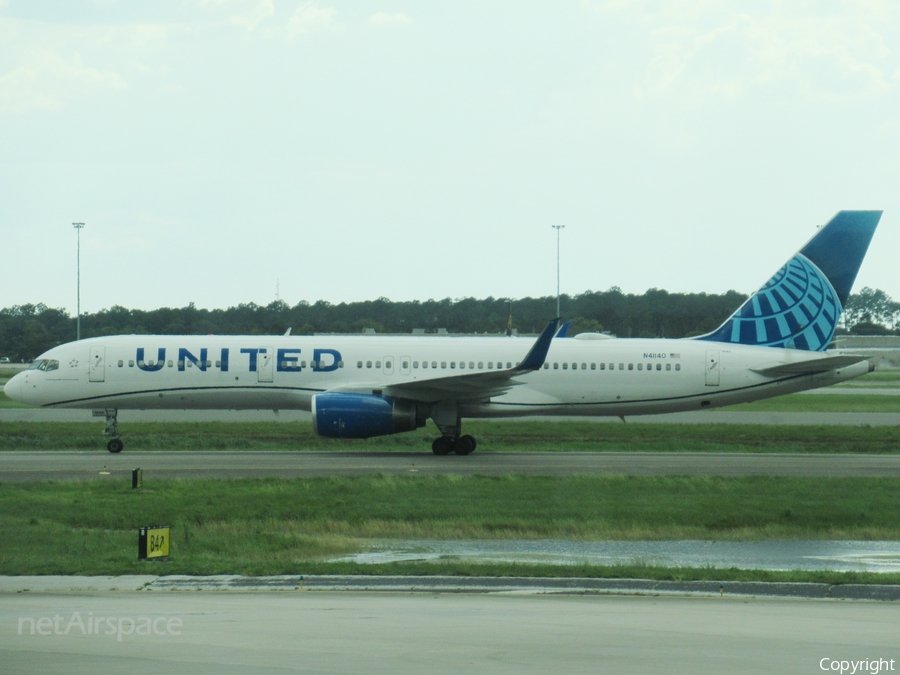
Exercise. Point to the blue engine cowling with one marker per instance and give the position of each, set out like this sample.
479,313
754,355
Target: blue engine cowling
338,415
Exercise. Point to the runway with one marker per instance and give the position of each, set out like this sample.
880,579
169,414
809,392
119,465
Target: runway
439,632
167,465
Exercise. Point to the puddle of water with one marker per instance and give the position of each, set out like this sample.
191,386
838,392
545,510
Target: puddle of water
839,556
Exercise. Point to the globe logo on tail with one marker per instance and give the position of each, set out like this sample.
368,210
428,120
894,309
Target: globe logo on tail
798,308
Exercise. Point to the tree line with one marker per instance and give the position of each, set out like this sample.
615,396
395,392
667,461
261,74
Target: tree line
29,330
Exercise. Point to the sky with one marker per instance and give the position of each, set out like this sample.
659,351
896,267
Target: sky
233,151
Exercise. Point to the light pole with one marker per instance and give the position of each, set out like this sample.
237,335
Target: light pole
79,227
557,228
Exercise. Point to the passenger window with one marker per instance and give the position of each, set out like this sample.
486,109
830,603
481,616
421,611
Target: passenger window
208,363
480,365
434,364
340,364
659,366
630,366
584,366
640,366
443,364
368,364
130,363
574,366
359,364
405,364
555,366
303,364
170,363
378,364
565,366
462,365
218,363
424,364
121,363
453,364
471,365
677,366
415,364
546,366
388,364
668,366
621,366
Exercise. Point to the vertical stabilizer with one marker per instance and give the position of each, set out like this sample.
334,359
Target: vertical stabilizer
800,306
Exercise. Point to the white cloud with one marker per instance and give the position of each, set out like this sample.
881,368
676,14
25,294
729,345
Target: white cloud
723,48
251,14
384,19
308,18
46,81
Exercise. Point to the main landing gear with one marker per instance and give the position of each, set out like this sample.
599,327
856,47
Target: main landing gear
115,444
446,417
461,445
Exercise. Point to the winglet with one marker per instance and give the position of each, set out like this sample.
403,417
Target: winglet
538,352
564,330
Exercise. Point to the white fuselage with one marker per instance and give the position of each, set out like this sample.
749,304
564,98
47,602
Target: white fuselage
580,376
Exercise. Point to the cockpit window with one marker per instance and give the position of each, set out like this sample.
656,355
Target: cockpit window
44,364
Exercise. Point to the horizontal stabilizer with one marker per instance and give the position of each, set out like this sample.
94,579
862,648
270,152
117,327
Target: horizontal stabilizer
811,366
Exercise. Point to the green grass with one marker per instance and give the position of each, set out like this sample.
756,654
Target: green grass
856,403
493,436
879,376
291,526
5,402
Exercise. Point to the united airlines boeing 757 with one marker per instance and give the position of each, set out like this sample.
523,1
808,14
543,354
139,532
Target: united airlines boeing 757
364,386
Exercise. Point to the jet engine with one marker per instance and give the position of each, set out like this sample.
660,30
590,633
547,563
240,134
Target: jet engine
344,415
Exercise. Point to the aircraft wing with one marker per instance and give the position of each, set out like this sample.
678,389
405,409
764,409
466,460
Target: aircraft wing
475,386
811,366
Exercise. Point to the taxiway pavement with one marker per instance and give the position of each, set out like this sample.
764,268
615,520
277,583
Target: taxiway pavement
163,465
439,632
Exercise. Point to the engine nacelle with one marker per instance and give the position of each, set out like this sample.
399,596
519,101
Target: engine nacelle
339,415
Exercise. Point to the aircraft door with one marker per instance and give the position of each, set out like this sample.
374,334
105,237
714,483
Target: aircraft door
712,368
97,372
388,365
265,365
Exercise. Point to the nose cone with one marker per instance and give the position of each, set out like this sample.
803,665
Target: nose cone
13,388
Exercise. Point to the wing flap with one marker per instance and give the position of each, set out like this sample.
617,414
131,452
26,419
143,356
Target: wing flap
475,386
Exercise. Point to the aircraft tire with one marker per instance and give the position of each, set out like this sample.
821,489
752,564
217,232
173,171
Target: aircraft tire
115,446
464,445
442,445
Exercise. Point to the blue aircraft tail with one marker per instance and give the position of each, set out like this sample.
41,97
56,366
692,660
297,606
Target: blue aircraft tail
800,306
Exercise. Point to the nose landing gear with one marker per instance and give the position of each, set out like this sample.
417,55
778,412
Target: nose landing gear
115,444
